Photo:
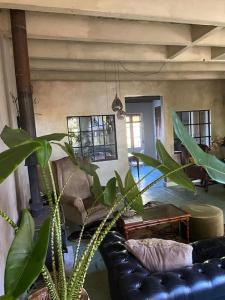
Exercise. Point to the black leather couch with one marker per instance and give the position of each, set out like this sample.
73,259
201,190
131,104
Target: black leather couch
129,280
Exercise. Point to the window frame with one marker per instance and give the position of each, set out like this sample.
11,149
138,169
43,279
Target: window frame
92,131
191,123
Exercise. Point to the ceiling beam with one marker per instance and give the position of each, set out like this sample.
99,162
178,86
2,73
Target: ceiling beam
125,67
96,76
46,49
198,33
92,29
218,52
205,12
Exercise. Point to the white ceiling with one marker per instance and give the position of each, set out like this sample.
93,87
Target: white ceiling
145,39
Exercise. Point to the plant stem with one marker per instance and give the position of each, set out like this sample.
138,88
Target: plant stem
50,284
9,220
50,200
57,221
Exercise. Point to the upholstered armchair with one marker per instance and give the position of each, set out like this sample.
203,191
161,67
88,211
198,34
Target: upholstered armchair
77,199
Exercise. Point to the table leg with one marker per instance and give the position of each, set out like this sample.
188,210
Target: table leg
138,169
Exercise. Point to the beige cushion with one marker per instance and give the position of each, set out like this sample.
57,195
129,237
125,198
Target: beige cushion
161,255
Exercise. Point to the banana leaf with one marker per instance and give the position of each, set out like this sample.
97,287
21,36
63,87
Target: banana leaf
213,166
26,257
12,158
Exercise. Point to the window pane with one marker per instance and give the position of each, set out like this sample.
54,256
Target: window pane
136,118
195,117
110,152
86,139
75,140
186,117
205,141
204,116
204,129
87,152
99,153
195,130
85,123
97,123
98,138
73,124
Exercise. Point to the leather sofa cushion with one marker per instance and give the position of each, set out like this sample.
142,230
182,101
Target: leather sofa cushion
159,255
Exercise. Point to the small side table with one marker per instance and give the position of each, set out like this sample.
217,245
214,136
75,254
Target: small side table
153,216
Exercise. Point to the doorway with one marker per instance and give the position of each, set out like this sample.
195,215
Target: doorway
143,127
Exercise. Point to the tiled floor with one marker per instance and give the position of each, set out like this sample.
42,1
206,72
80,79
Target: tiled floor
97,282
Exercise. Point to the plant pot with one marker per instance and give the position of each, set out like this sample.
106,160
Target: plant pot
42,294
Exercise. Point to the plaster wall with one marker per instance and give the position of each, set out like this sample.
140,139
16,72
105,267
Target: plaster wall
8,202
57,100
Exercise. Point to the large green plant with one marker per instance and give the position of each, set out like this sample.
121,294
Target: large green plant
22,270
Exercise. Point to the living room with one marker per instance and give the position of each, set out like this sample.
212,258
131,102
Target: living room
83,56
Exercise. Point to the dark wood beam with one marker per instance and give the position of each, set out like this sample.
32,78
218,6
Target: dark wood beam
25,99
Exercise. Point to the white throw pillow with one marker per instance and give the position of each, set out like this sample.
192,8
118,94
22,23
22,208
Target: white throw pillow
161,255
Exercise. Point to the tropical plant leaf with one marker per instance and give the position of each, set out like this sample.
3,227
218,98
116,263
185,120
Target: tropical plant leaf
7,297
25,257
178,177
97,189
43,154
166,166
13,137
119,182
214,167
53,137
12,158
132,192
110,192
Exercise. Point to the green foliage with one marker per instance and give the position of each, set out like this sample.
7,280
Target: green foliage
97,189
214,167
170,165
25,257
14,137
131,192
119,182
44,153
12,158
110,192
167,165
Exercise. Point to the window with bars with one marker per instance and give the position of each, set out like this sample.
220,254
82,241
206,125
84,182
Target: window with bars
93,136
198,124
134,131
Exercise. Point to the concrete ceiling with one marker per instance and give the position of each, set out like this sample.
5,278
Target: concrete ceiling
144,40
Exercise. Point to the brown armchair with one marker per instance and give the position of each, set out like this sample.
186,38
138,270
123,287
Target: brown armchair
196,172
77,199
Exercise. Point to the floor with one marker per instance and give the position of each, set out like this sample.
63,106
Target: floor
97,282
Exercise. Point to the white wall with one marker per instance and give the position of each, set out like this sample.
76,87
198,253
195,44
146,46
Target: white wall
58,99
8,202
146,110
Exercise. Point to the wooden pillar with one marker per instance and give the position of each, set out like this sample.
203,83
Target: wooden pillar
25,100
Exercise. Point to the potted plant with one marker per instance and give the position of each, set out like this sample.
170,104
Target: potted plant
31,263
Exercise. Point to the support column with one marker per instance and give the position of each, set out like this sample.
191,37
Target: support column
25,100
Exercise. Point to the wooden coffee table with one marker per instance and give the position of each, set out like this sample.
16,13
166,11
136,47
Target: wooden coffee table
153,216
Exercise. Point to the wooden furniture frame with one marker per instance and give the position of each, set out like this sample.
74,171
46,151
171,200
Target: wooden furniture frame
153,216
